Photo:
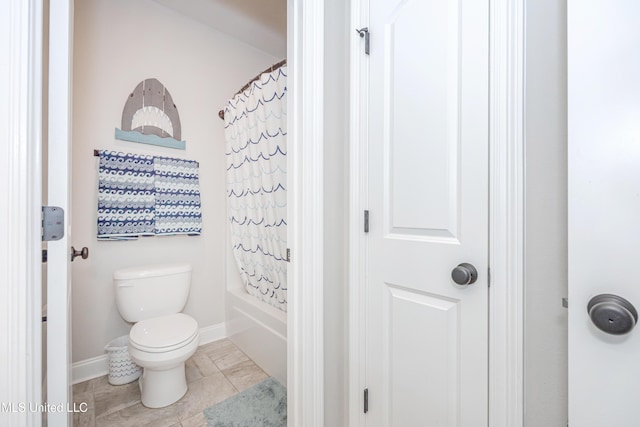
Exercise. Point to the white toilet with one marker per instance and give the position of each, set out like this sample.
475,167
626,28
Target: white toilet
162,338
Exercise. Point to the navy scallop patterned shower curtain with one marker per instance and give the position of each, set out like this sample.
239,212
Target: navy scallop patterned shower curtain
255,132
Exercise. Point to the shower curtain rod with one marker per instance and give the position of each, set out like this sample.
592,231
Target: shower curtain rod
268,70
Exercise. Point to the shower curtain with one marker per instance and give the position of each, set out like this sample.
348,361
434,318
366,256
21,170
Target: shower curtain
255,132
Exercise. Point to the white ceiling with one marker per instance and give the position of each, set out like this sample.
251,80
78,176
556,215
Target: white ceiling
261,23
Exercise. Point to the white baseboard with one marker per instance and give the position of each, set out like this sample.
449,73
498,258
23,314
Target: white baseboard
88,369
213,333
98,366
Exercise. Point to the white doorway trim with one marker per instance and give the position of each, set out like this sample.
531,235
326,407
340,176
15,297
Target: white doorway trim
21,187
506,204
506,218
305,331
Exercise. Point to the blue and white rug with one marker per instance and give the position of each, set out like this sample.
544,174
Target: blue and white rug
264,404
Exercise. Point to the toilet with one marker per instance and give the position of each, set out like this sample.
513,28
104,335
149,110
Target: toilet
162,338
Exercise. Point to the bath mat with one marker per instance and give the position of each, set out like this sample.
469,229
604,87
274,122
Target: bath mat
264,404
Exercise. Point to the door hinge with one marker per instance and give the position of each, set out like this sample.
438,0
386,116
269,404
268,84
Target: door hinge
366,221
366,400
45,255
288,255
488,277
52,223
364,33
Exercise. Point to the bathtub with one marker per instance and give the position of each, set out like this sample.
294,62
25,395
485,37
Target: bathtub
259,330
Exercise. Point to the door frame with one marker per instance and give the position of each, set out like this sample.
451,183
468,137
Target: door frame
23,186
21,182
506,213
305,163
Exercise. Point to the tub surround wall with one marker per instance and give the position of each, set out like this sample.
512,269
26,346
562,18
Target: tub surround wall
118,43
259,330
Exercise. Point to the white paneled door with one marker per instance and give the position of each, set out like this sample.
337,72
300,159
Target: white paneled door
604,211
427,337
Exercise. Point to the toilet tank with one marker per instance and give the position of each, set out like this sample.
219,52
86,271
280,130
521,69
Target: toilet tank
152,291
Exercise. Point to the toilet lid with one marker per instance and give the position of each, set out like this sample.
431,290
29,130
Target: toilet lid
162,333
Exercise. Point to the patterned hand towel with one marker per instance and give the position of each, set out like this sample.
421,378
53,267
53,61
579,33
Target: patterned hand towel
126,196
177,191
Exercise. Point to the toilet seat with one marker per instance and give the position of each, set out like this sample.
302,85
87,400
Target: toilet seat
163,334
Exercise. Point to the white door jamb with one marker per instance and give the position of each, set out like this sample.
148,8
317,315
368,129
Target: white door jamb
358,203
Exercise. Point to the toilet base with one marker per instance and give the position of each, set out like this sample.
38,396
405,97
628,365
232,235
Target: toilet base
162,388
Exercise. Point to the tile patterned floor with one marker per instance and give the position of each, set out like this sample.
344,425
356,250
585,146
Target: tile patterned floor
215,372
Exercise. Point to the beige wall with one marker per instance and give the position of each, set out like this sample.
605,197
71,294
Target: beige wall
546,214
117,44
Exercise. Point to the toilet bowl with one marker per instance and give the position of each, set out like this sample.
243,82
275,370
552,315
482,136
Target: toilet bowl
162,338
160,346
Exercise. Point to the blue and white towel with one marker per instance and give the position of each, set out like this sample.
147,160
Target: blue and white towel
177,196
145,196
126,196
